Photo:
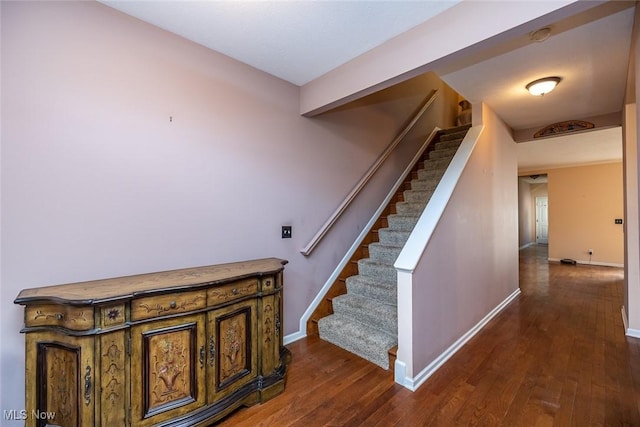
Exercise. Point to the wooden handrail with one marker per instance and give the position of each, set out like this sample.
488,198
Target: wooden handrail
306,251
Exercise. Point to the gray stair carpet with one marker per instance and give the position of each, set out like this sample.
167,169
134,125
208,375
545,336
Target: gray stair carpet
365,319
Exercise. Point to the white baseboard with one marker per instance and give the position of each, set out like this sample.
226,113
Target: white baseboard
288,339
526,245
414,383
634,333
587,262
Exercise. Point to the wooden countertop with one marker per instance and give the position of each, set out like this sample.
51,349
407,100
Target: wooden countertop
105,290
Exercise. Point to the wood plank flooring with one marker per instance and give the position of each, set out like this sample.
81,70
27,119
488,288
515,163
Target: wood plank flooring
556,356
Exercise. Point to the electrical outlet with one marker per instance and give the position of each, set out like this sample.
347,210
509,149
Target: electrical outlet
590,251
286,231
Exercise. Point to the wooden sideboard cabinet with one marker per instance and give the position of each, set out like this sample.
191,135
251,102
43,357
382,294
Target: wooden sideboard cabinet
176,348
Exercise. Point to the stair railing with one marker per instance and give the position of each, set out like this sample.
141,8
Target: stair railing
306,251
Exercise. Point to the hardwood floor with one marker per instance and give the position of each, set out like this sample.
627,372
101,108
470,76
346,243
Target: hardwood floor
556,356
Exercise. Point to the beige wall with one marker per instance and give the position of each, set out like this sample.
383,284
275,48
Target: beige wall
583,203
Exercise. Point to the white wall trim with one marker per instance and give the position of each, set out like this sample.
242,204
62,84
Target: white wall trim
634,333
414,383
288,339
356,244
526,245
587,262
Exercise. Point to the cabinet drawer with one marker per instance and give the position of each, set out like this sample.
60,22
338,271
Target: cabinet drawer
65,316
239,289
163,305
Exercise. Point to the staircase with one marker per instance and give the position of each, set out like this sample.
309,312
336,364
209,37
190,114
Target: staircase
360,313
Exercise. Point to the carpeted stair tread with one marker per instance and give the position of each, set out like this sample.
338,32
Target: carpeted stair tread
403,222
372,312
409,208
397,237
445,145
418,196
384,253
441,154
374,288
374,268
429,174
363,340
429,183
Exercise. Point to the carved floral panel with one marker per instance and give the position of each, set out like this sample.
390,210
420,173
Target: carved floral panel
59,372
234,332
169,368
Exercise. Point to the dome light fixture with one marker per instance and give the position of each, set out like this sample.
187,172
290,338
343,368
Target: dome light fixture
543,86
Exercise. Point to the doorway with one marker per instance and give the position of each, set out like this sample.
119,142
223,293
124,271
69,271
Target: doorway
542,220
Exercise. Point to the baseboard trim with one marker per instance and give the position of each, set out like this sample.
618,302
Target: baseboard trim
634,333
597,263
288,339
414,383
526,245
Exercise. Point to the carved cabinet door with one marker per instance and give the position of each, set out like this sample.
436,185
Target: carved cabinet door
168,362
60,388
233,350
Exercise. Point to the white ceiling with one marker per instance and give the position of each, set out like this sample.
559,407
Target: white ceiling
297,41
592,60
300,40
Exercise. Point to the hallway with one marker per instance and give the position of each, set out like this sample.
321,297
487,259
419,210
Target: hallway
557,355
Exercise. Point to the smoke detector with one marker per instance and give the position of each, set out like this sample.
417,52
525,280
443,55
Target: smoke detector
540,35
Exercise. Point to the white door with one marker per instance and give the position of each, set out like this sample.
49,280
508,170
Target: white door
542,221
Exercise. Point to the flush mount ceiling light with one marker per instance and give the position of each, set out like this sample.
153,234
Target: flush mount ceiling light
542,86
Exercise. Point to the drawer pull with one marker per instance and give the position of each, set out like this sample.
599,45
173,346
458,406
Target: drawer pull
173,304
59,316
234,291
